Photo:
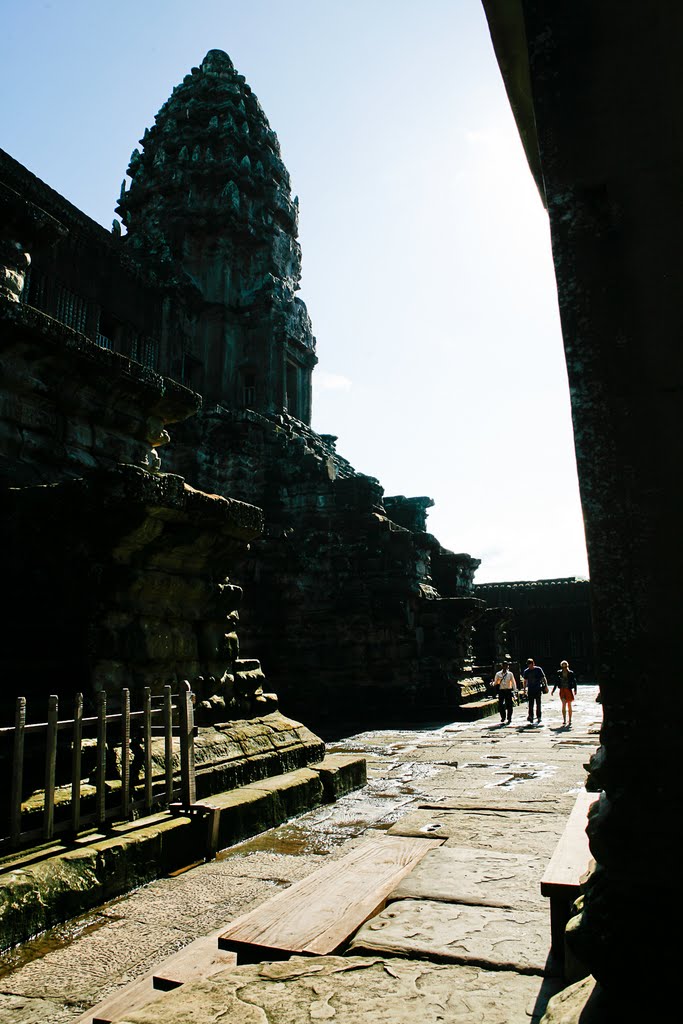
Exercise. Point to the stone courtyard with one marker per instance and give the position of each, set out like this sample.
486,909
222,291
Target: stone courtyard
466,937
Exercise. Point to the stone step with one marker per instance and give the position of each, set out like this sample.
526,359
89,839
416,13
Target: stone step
475,709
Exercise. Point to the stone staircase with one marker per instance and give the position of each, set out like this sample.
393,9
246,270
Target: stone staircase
475,701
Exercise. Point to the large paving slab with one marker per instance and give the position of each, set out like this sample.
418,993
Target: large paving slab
559,799
538,806
26,1010
454,874
347,990
517,940
510,832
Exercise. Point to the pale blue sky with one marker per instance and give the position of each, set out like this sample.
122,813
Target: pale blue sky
426,252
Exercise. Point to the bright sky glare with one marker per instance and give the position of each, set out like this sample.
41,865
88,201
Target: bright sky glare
426,251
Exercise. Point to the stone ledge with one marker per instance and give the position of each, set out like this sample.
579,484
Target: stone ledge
340,774
476,709
37,894
114,373
262,805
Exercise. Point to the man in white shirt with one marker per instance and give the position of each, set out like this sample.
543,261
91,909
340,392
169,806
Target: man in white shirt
506,685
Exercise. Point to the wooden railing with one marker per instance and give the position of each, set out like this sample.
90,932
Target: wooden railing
127,732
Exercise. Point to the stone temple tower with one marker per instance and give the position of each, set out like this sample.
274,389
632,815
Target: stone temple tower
356,605
210,205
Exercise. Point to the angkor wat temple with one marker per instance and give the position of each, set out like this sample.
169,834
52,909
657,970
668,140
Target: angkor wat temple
111,339
190,323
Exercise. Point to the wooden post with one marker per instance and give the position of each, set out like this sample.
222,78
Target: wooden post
168,743
147,739
101,756
17,770
125,754
76,744
186,716
50,766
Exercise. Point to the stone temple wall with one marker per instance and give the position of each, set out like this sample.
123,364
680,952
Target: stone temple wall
341,587
118,573
550,621
338,592
359,610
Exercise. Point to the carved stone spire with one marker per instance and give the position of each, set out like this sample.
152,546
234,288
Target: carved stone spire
210,197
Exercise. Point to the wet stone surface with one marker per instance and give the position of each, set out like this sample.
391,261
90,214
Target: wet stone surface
460,934
462,875
58,975
352,989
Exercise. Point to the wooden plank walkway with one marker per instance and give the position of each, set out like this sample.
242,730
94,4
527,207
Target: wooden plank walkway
317,915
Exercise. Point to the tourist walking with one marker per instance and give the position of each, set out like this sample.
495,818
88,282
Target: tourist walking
566,681
506,685
536,685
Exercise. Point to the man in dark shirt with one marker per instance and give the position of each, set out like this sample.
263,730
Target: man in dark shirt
534,677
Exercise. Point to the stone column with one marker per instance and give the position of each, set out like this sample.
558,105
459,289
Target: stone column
607,84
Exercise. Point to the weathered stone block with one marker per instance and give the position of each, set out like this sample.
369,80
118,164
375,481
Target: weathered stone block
463,934
340,774
399,990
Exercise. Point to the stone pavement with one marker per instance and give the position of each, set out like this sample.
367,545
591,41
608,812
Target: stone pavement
466,936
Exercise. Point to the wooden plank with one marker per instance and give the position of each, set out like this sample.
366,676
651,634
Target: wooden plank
147,746
318,914
50,766
200,959
122,1003
101,758
76,745
17,770
125,753
168,743
572,854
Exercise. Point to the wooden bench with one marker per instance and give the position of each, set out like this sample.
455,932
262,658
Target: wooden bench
199,959
569,862
318,915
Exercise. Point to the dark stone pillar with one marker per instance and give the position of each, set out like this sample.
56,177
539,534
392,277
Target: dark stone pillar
607,82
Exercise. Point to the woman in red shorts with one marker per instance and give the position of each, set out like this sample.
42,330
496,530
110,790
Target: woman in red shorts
566,681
